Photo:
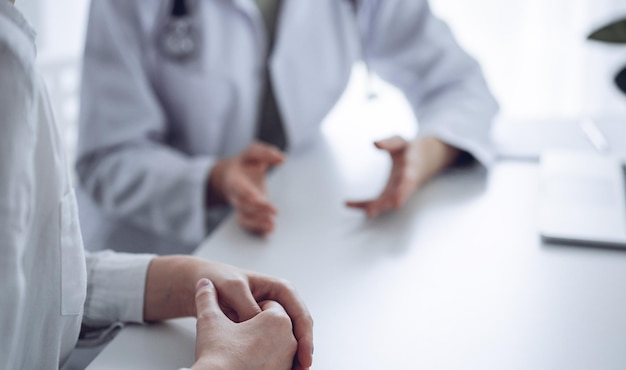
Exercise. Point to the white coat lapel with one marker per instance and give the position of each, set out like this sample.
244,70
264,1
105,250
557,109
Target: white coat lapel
311,63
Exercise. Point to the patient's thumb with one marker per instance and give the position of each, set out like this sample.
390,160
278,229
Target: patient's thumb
207,307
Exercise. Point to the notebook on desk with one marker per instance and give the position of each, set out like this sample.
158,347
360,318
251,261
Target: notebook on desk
582,198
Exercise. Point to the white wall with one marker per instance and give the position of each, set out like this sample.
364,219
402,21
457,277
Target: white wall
60,26
535,55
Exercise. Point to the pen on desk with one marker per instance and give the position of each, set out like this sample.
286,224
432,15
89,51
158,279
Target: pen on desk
595,136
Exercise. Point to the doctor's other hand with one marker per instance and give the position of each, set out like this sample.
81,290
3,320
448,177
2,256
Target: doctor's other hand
264,342
413,163
240,181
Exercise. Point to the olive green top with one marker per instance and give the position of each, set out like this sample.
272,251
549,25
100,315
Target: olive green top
614,32
269,10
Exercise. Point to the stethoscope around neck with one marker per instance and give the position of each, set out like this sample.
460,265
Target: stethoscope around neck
180,37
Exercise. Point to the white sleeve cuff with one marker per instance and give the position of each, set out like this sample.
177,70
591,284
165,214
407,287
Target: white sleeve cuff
482,151
115,287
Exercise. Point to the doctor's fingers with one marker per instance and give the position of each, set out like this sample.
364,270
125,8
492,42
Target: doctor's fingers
254,207
385,202
262,209
370,207
253,201
361,204
394,196
392,145
378,206
255,225
264,153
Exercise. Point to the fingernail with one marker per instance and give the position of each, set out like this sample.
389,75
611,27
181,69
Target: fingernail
202,283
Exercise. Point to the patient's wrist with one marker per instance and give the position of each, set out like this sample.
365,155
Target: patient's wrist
208,363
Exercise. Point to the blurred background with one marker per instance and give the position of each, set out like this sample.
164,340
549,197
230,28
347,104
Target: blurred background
533,52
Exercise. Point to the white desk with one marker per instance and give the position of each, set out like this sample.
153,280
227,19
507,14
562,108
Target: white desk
458,279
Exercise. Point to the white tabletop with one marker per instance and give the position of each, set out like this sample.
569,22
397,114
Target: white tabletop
458,279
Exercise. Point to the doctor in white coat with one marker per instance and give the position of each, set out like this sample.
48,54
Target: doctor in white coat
187,104
51,291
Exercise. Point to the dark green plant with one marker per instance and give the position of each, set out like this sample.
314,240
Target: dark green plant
614,33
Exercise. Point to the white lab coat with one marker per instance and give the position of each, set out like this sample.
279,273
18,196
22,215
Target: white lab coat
47,288
151,128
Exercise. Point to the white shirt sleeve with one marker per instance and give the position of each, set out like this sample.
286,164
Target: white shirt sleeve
16,152
115,287
412,49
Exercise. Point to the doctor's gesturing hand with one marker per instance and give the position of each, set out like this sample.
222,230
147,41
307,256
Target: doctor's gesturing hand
240,181
413,163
